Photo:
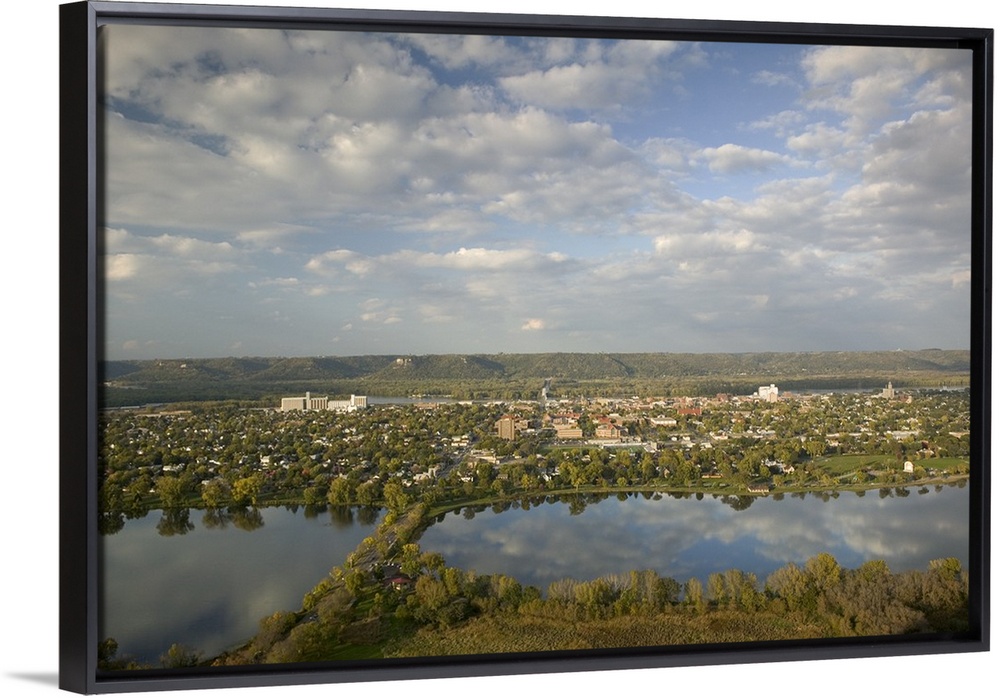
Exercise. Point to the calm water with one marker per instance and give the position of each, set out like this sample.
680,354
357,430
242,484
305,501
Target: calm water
208,587
684,538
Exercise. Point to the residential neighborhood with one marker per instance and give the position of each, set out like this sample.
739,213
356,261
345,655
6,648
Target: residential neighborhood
218,454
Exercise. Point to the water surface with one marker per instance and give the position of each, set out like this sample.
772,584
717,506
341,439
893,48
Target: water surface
688,537
206,583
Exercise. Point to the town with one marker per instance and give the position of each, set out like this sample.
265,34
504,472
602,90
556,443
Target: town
316,451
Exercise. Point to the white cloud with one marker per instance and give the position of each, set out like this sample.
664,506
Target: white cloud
781,123
359,183
119,267
730,158
711,244
866,83
164,259
818,139
771,78
459,51
596,75
379,311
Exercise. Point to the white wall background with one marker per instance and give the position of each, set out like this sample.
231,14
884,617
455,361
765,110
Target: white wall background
28,457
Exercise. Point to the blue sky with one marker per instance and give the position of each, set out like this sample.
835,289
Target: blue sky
322,193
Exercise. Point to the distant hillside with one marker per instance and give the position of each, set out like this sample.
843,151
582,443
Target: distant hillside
574,366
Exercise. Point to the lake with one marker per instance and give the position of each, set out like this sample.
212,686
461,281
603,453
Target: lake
691,537
207,588
206,585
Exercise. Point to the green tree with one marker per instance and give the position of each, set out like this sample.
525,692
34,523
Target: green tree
246,490
340,492
694,595
823,571
214,493
791,584
170,490
179,656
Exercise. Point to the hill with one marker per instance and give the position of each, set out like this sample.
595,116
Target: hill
254,378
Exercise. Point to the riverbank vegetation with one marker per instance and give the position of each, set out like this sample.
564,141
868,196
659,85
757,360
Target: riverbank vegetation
413,604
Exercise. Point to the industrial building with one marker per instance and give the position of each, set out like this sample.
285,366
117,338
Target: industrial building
308,402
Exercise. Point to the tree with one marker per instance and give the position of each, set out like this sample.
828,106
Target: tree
395,496
340,492
368,493
170,490
313,495
824,571
694,594
179,656
246,490
214,493
430,596
717,588
791,585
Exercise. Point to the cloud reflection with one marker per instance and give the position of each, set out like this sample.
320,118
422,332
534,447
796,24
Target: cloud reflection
686,537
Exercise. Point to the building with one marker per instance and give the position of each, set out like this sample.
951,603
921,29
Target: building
310,403
356,402
888,392
768,393
609,432
507,427
568,431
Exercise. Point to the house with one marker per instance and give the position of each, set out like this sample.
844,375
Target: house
400,582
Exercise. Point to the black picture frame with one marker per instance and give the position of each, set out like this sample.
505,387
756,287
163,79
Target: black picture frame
80,322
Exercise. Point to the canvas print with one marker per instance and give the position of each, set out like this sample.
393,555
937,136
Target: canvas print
426,344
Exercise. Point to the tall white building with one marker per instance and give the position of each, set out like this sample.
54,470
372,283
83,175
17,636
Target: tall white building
357,402
308,402
768,392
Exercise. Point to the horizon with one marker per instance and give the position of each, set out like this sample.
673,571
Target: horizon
532,353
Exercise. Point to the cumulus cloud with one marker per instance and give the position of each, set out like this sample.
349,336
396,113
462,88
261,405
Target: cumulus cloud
865,83
712,243
119,267
500,186
165,258
596,75
771,78
730,158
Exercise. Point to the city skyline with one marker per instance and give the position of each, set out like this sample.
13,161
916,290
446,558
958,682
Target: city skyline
329,193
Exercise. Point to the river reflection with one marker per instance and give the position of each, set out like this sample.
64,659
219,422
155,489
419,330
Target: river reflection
691,536
205,578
